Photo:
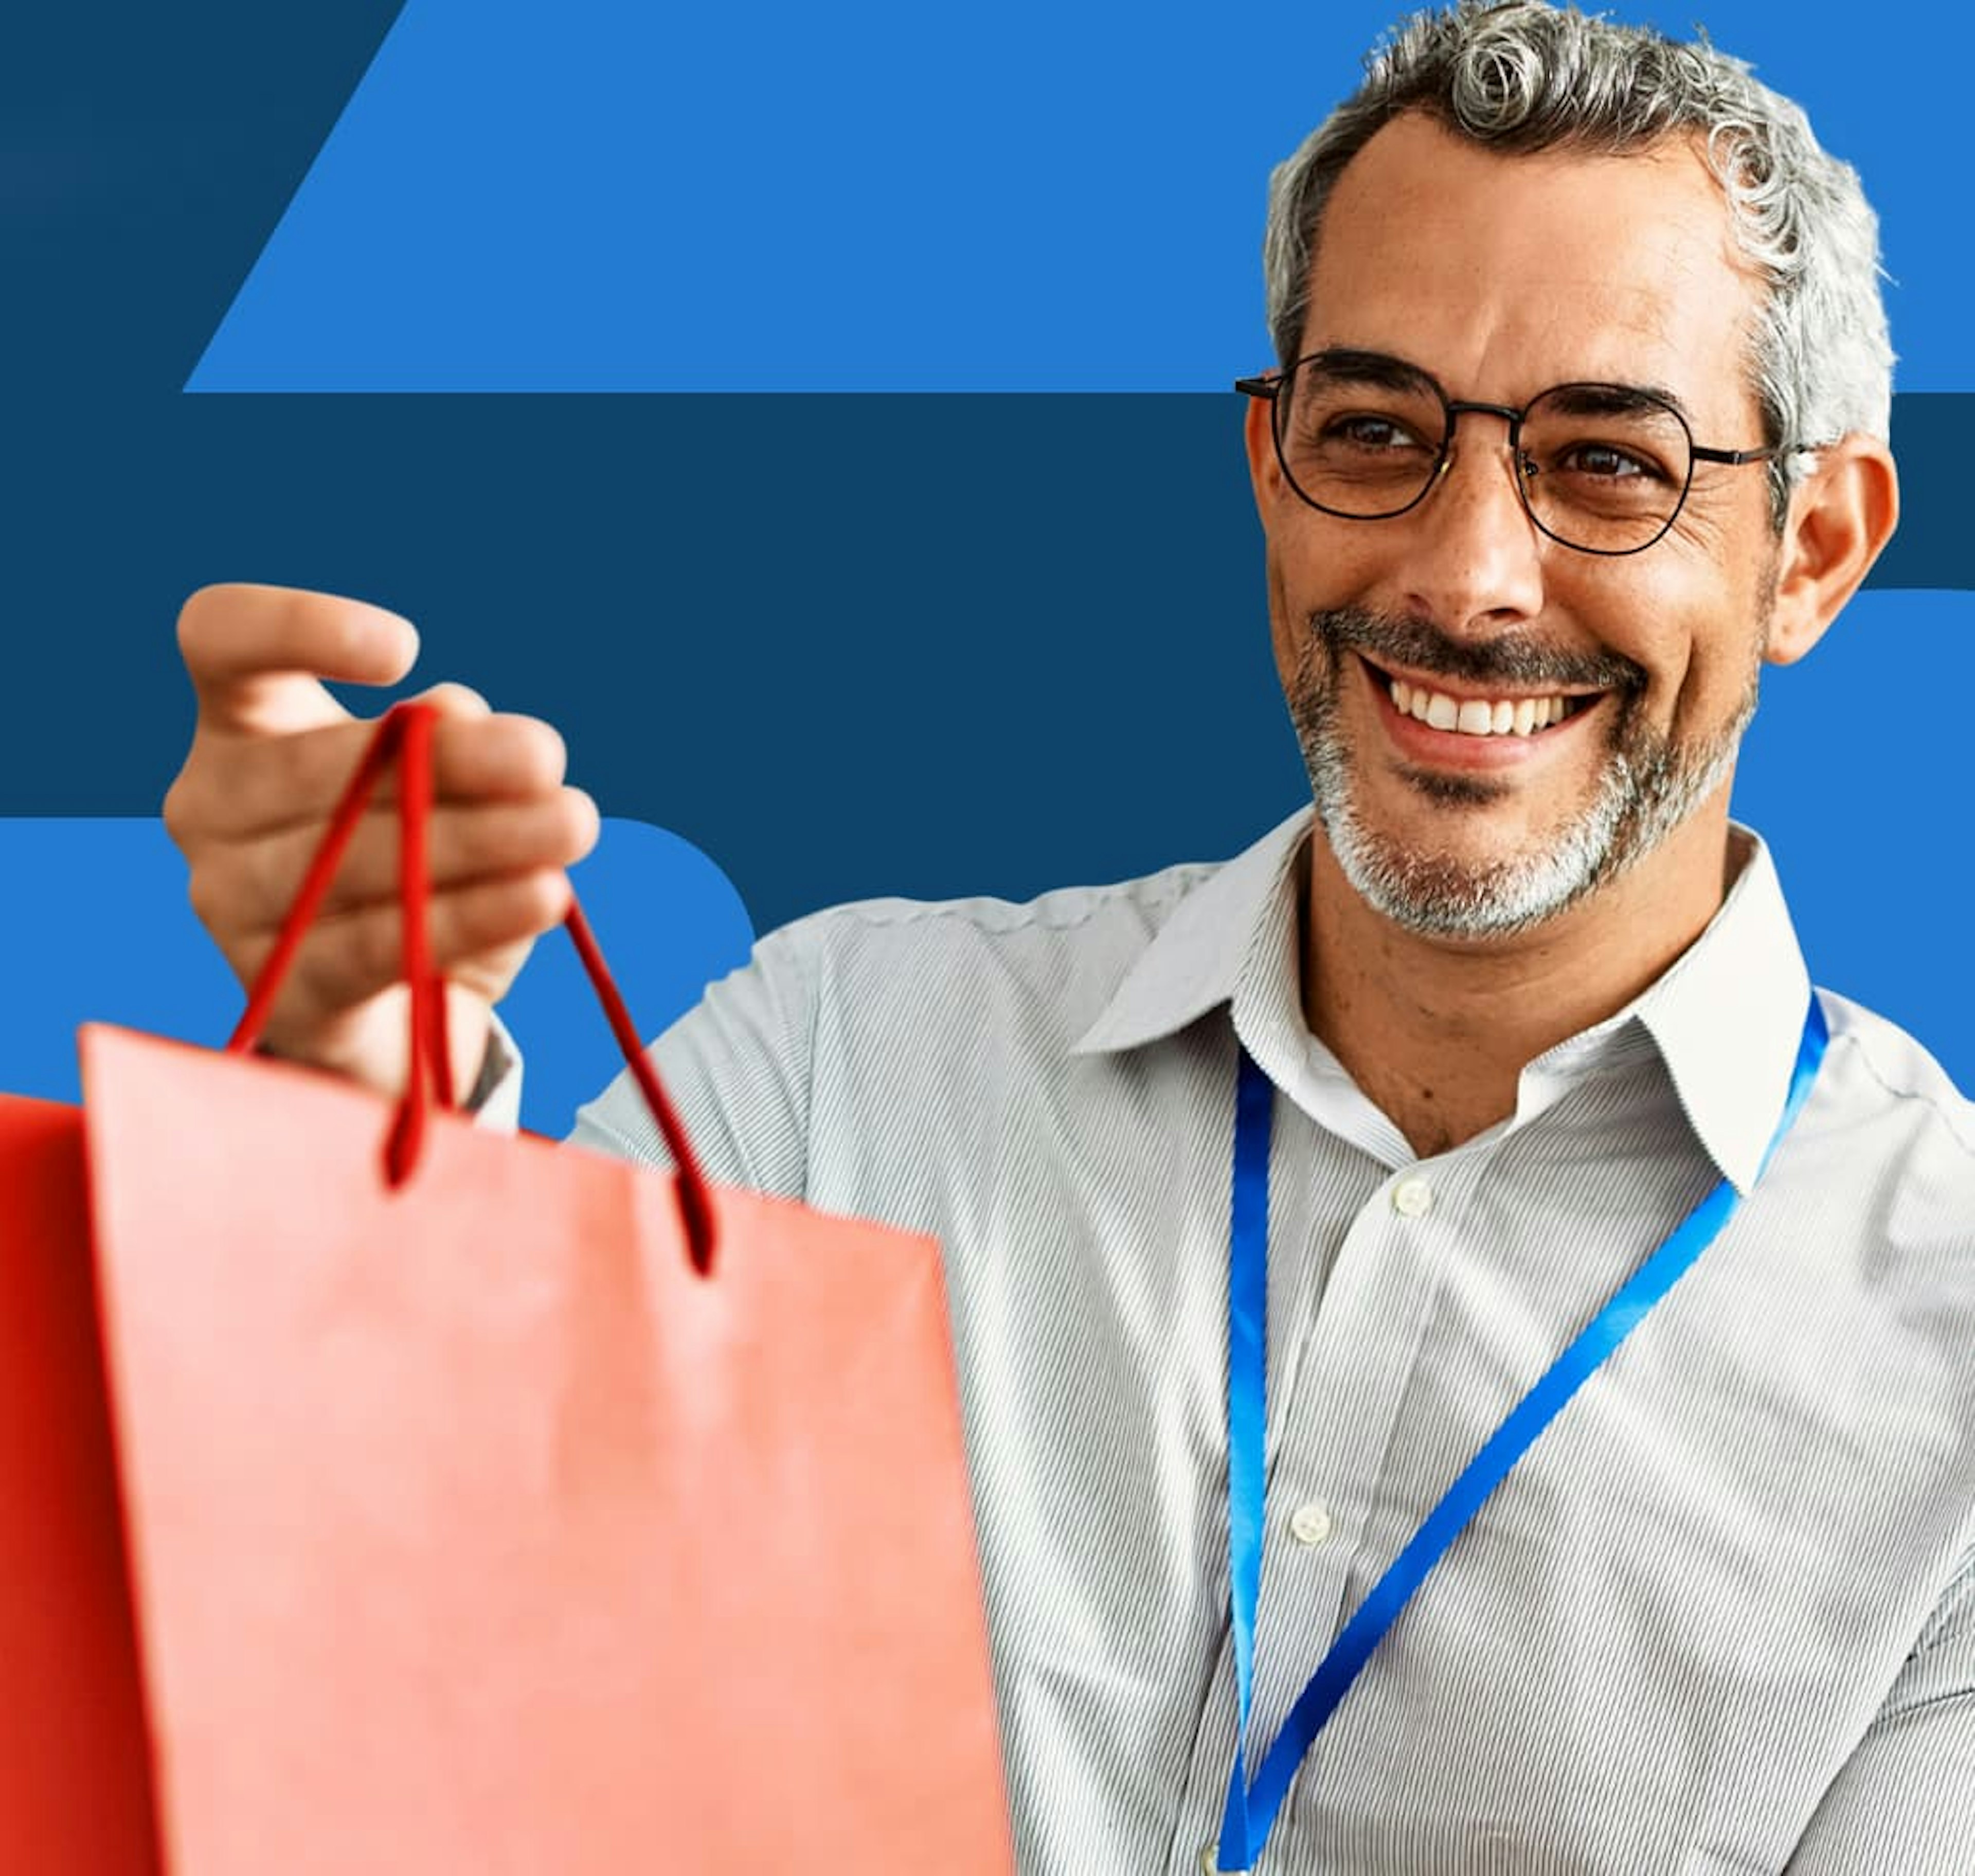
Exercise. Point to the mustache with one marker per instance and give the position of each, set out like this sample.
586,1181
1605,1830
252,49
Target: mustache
1422,646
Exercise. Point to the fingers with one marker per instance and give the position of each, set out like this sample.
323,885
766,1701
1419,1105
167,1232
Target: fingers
255,654
273,753
269,783
246,885
455,700
479,935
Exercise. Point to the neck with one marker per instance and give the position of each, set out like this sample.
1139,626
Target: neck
1436,1031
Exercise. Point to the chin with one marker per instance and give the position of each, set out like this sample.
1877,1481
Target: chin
1446,896
1443,895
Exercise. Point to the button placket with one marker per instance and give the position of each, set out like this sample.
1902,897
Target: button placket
1328,1462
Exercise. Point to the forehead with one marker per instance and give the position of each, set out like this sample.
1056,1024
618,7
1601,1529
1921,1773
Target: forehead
1503,274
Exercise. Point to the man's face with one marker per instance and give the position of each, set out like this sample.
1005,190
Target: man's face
1501,277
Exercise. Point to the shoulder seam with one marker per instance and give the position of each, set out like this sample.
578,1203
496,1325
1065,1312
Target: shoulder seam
1947,1119
882,914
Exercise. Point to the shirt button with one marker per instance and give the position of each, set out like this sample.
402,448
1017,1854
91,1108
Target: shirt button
1412,1198
1310,1523
1210,1865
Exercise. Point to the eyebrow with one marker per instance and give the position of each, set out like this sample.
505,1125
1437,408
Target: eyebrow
1618,400
1377,368
1597,399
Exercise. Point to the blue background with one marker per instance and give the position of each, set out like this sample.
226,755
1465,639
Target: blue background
863,629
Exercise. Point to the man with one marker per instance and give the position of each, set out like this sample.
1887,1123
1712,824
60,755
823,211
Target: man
1579,417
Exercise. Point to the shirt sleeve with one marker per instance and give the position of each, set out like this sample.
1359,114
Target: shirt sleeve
737,1066
1905,1799
494,1100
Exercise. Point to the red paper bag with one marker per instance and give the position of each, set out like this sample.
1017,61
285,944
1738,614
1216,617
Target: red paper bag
475,1531
75,1794
493,1507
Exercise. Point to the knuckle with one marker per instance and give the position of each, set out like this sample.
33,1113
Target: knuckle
541,749
225,888
556,752
455,699
207,892
544,897
179,809
191,809
584,819
266,883
477,921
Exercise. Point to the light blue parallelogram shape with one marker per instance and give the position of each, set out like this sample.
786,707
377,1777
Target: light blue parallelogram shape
102,931
617,195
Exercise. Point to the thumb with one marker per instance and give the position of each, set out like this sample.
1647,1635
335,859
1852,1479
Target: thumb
256,655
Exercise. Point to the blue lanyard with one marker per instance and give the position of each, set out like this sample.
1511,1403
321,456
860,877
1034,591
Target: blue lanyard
1251,1809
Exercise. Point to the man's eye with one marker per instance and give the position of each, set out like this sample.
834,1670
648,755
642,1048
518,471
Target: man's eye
1606,462
1365,431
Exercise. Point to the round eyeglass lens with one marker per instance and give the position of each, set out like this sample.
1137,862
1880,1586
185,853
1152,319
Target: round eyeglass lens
1359,443
1604,467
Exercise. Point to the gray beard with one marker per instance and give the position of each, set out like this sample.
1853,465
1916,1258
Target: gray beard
1649,785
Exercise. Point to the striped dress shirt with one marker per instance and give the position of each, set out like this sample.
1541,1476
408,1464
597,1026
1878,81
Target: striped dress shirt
1722,1616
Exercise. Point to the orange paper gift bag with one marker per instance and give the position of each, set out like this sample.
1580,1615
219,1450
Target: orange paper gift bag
516,1509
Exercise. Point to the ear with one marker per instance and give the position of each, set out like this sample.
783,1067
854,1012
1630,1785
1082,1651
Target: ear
1265,468
1841,515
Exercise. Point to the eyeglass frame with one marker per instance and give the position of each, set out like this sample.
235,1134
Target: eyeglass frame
1267,386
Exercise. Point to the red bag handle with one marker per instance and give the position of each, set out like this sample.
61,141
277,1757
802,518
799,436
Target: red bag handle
404,735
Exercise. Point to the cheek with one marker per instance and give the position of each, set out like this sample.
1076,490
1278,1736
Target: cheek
1287,614
1313,564
1706,611
1696,639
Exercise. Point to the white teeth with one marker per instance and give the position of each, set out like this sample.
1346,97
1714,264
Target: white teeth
1475,716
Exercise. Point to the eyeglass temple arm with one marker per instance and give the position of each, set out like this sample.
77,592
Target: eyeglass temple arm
1738,456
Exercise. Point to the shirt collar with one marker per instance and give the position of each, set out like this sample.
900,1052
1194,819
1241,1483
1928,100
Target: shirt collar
1195,960
1726,1017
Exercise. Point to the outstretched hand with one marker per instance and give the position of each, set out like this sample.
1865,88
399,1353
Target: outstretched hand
270,756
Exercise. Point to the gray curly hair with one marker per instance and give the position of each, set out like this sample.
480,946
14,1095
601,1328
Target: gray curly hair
1521,75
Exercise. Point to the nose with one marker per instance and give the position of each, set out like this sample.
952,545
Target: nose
1475,561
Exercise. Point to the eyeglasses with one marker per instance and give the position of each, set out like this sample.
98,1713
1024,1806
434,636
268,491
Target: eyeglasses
1601,468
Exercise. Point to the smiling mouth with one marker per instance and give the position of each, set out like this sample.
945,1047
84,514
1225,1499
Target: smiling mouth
1526,715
